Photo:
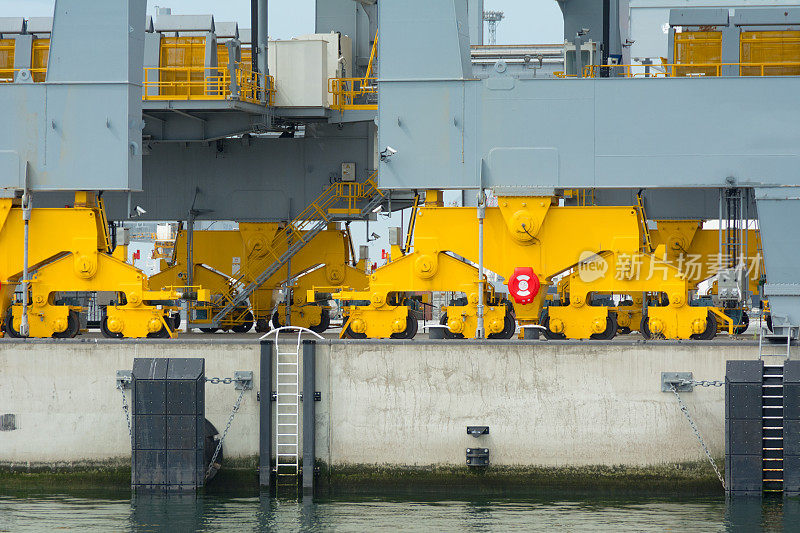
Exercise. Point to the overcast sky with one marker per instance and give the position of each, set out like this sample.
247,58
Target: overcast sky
527,21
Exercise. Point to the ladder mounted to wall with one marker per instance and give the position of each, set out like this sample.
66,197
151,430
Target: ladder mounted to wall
302,230
288,399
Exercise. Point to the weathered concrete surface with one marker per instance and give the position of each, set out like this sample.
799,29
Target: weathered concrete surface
551,404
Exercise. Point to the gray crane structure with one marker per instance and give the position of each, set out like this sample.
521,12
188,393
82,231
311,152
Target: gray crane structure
681,142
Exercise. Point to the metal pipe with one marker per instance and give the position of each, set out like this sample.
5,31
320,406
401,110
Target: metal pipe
481,285
265,415
263,36
254,33
27,202
606,37
189,265
309,414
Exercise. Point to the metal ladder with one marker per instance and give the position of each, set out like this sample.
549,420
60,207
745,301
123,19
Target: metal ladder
287,406
300,232
772,428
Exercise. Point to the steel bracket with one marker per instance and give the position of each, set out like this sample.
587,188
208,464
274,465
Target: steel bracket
477,431
124,378
317,396
477,457
243,379
668,379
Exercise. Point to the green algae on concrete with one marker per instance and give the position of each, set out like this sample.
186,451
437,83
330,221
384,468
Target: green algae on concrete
697,477
242,474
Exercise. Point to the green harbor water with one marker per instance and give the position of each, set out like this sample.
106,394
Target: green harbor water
91,512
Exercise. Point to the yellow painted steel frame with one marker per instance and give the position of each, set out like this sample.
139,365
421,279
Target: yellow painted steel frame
691,249
415,272
533,232
252,249
67,253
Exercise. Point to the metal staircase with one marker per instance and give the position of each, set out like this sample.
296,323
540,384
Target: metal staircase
338,202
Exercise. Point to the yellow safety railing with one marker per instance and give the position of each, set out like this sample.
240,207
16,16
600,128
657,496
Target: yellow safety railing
689,70
353,93
202,83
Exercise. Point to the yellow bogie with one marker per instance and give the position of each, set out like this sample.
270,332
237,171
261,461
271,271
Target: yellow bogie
304,316
80,262
673,322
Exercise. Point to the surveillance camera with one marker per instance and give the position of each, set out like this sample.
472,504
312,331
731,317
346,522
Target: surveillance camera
139,210
391,150
387,153
375,236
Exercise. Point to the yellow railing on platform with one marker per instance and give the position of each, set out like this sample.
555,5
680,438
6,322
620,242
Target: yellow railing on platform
689,70
201,83
353,93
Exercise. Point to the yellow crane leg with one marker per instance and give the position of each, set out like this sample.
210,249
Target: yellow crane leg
68,251
387,317
625,274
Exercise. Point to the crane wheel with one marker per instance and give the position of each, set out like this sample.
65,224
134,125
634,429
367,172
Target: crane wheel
710,331
447,333
324,322
73,326
9,325
412,326
610,332
509,328
550,335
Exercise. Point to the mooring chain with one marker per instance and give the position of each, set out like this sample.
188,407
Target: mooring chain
216,381
225,433
685,411
125,408
702,383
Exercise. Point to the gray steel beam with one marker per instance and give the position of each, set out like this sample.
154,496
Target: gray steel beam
263,36
309,414
265,415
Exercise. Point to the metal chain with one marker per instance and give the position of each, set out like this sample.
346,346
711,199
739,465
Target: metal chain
125,408
702,383
225,433
685,411
216,381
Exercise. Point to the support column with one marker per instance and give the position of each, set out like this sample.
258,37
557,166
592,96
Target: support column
309,414
27,204
479,331
263,36
189,266
265,415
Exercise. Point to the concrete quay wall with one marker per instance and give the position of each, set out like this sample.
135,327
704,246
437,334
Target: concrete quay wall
396,403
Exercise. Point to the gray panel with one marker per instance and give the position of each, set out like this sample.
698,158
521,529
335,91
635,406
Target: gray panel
263,180
150,432
791,401
150,467
745,473
744,401
10,25
183,23
443,28
791,437
791,371
185,368
600,141
779,209
778,16
791,480
150,368
745,437
699,17
81,129
181,397
744,371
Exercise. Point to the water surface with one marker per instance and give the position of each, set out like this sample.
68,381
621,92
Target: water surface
431,513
